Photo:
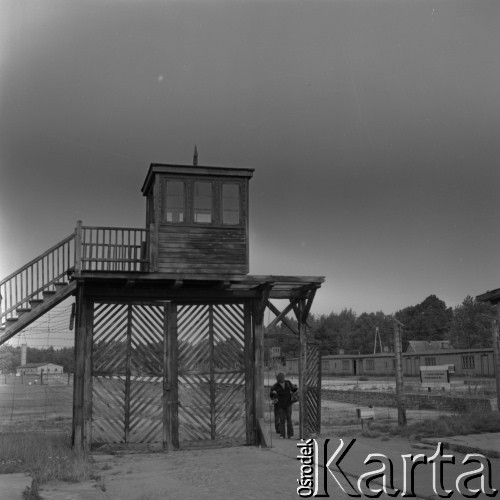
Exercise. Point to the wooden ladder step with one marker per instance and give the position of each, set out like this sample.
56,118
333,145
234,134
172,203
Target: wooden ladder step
61,284
23,310
36,302
48,293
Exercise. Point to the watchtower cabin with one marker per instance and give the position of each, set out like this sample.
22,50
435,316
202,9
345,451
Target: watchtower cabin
197,219
169,324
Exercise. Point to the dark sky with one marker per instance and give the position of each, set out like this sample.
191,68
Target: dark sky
372,125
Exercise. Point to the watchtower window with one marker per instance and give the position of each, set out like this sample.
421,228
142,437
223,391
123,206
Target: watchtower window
175,201
230,204
203,202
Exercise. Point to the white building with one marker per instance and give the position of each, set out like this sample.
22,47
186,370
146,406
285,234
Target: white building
38,368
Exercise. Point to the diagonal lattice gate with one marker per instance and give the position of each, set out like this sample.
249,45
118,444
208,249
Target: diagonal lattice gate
313,390
211,374
127,373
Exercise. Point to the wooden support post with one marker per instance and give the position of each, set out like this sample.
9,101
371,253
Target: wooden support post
496,354
259,308
249,377
398,356
302,362
302,389
259,369
87,375
128,373
78,381
173,355
212,369
167,380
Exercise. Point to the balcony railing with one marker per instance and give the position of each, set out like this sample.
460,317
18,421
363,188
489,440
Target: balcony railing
111,249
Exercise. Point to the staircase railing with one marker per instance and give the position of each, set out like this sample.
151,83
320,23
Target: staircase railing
36,277
88,249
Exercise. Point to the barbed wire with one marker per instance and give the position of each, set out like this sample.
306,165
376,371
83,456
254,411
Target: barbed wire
53,325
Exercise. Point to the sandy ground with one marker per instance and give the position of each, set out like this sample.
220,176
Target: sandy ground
248,472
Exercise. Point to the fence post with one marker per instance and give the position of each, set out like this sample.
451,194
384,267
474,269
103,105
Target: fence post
399,373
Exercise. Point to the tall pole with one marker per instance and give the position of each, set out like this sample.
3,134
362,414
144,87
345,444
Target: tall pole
398,356
496,353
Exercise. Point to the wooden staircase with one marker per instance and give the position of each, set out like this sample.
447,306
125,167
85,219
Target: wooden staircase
37,287
27,315
30,292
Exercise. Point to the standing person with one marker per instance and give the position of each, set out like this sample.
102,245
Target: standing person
282,392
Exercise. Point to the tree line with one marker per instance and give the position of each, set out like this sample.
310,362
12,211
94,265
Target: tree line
466,326
10,357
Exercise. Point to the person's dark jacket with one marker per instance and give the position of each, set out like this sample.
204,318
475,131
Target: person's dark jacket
283,394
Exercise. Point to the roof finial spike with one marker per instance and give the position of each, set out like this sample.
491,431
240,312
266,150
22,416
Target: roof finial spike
195,156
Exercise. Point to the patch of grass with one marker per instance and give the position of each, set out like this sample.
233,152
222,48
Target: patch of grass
44,457
446,425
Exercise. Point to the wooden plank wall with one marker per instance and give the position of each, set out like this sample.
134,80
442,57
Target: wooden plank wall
202,250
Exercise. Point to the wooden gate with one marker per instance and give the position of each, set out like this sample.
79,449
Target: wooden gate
313,390
127,373
211,374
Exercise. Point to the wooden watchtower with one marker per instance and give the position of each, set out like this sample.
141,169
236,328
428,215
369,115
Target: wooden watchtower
169,324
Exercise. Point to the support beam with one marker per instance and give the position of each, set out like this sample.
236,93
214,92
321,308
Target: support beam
307,308
300,315
282,317
261,304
